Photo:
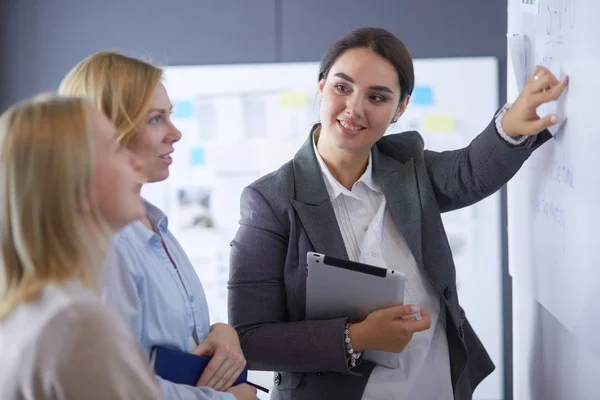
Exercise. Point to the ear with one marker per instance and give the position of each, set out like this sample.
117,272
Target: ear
401,108
320,87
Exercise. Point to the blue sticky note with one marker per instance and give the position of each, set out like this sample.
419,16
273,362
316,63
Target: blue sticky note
197,156
183,109
422,96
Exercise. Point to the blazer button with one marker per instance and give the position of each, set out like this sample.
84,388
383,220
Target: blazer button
277,379
462,314
448,293
461,332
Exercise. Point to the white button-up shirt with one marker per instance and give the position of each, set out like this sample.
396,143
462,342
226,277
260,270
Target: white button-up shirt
371,237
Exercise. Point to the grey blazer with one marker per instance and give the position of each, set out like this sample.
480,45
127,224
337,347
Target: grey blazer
288,213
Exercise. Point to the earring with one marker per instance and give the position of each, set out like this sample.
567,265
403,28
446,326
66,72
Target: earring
394,120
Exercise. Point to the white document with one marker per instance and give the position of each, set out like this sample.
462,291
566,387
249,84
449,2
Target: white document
520,54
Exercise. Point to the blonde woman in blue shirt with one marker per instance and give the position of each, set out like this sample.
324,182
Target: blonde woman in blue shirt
148,278
58,160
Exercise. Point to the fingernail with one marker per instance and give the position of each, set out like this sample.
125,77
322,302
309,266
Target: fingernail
415,309
554,119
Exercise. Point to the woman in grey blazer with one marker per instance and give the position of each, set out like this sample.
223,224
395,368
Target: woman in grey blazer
352,193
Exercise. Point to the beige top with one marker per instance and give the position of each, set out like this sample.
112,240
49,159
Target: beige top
67,345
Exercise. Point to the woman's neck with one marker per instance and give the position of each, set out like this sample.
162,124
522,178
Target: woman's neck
145,220
346,167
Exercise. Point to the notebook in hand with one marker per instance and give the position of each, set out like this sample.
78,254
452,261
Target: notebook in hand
185,368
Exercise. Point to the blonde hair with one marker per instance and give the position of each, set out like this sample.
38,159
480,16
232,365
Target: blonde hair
46,172
119,85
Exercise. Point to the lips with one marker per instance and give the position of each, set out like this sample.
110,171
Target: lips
166,158
349,125
350,129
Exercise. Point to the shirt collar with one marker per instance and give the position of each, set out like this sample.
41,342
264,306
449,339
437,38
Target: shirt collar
334,187
157,218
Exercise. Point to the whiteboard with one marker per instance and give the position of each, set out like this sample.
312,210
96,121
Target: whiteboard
240,122
456,114
553,202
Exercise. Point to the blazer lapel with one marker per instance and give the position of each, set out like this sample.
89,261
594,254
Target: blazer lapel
398,182
313,206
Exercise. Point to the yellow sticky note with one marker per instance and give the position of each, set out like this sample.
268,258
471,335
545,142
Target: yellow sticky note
293,99
439,123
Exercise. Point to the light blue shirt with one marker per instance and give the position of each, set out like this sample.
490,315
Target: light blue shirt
161,304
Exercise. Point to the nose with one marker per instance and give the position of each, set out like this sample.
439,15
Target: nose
174,135
355,106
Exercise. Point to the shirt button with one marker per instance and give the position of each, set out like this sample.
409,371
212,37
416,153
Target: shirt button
191,299
375,253
366,228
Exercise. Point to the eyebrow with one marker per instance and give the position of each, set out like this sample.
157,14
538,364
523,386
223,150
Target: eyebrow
376,88
162,110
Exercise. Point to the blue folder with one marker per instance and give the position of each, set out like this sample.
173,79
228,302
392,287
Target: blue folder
186,368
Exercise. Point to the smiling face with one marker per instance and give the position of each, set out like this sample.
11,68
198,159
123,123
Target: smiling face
153,141
360,97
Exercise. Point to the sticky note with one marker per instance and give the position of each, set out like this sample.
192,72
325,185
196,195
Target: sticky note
197,156
422,96
439,123
293,99
183,108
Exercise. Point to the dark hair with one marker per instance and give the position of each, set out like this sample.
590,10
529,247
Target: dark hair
381,42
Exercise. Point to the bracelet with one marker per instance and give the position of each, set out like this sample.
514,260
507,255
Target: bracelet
498,122
354,355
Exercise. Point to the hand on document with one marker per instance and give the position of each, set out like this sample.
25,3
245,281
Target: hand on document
522,118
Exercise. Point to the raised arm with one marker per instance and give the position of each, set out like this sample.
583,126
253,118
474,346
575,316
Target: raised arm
463,177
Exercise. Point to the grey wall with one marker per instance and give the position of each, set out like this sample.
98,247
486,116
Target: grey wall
40,40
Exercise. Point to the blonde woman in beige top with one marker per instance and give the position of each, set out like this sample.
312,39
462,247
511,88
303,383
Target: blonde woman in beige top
65,186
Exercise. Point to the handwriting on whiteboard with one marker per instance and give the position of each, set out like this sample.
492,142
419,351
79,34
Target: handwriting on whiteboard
559,17
562,174
552,218
551,211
